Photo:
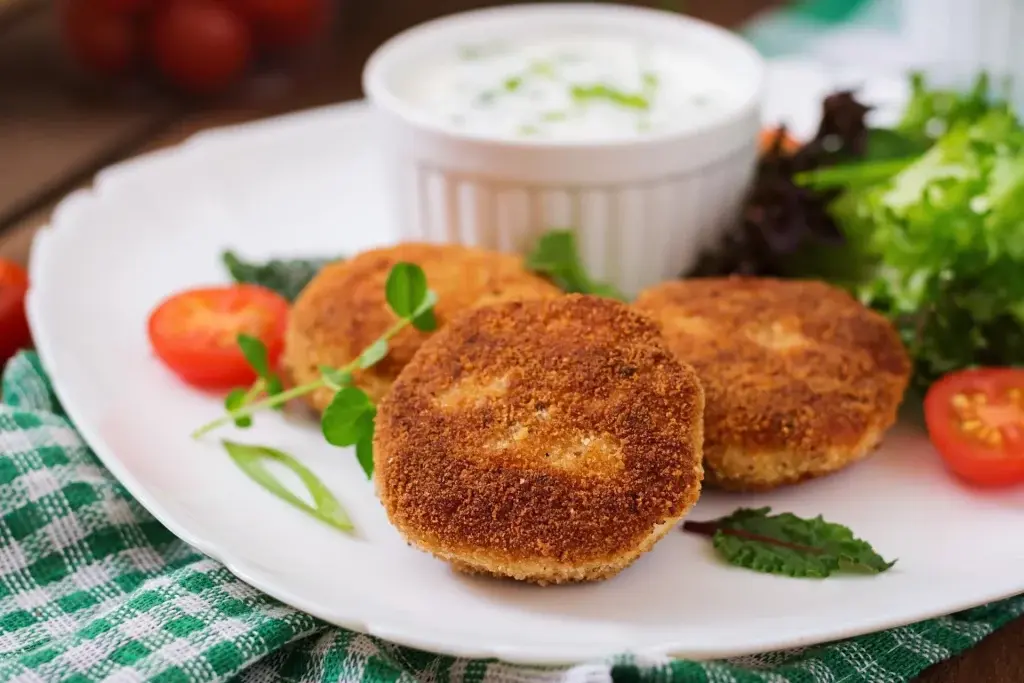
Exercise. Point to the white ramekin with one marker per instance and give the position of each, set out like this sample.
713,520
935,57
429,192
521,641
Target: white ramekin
642,209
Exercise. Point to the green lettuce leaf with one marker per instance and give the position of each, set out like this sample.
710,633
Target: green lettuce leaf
932,112
945,237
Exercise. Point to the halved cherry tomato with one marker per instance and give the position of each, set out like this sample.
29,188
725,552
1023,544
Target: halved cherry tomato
195,332
766,141
976,421
14,334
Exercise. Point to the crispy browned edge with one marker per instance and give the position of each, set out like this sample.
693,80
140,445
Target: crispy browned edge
344,309
782,416
593,366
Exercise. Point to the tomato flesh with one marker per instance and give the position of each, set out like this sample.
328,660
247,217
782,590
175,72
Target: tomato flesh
14,332
975,419
195,332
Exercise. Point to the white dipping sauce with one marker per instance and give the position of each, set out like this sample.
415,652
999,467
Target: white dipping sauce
570,87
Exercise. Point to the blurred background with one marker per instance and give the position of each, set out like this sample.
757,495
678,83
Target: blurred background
84,83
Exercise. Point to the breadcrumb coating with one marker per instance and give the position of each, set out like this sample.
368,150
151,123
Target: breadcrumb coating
548,440
344,309
801,379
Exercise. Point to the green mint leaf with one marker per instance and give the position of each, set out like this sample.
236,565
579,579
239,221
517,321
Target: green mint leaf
287,277
406,289
274,386
334,378
513,83
348,418
255,353
235,400
423,318
373,353
425,321
364,454
555,255
789,545
252,460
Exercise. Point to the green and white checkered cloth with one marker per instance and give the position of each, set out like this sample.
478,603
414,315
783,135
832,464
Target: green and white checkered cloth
93,588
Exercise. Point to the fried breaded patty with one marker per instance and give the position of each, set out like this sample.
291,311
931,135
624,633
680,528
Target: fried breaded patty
550,440
801,379
344,309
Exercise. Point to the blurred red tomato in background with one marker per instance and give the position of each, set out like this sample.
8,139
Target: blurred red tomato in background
201,47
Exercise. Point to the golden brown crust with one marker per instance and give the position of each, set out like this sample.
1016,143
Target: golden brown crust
800,378
548,440
344,310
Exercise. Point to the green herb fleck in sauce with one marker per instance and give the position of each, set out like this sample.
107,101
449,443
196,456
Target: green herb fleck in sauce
600,91
541,68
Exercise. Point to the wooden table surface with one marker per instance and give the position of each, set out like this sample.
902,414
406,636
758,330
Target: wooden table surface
54,136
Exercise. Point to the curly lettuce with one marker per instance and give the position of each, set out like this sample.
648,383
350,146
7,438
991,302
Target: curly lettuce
944,237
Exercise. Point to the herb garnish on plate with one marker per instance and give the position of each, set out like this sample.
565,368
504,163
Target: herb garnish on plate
287,277
789,545
253,459
556,256
348,420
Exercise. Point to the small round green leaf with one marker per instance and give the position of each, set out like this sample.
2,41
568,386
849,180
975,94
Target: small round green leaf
425,321
274,386
364,454
405,289
255,354
423,318
348,418
235,400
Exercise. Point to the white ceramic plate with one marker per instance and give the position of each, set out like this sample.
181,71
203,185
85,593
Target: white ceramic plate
308,184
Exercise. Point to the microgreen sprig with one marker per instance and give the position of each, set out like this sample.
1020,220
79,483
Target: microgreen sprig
252,460
267,382
556,256
349,419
